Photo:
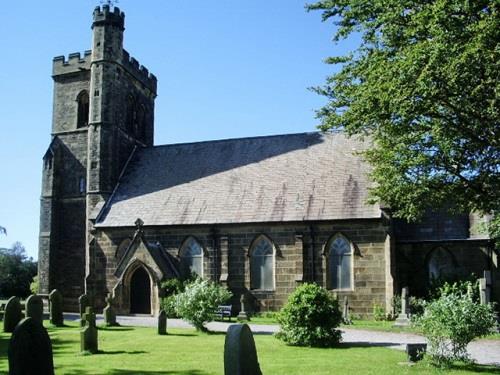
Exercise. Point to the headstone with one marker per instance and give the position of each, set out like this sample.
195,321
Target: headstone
240,354
242,314
109,312
345,312
83,303
88,334
415,352
56,308
12,314
30,350
34,308
483,298
162,323
403,319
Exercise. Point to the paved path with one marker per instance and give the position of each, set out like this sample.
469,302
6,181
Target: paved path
482,351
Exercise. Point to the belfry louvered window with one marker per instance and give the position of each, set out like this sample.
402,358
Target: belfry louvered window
191,258
339,263
262,264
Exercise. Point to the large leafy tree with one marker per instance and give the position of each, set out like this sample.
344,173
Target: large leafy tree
424,86
16,271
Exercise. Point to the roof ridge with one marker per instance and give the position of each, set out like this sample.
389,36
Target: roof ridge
239,139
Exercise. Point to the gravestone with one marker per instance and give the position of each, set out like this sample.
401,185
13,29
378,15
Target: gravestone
12,314
345,312
56,308
415,352
83,303
34,308
88,334
162,323
242,314
403,318
109,312
240,355
30,350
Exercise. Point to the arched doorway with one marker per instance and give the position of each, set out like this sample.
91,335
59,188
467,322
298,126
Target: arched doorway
140,292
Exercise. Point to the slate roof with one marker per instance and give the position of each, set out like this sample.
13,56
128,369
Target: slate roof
293,177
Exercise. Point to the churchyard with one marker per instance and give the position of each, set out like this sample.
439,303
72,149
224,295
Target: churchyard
140,350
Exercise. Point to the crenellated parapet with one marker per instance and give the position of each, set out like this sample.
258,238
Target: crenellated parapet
140,72
73,64
104,16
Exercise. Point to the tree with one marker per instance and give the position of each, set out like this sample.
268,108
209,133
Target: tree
16,271
424,86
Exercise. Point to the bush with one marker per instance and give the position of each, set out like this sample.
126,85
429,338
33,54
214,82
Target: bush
35,285
310,317
168,289
379,312
199,301
450,323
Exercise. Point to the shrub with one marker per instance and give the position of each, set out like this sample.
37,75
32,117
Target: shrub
310,317
450,323
379,312
199,301
168,289
35,285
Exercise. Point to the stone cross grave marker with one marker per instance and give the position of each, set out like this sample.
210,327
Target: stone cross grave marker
83,303
30,350
34,308
162,323
240,354
88,334
402,320
12,315
109,312
345,311
56,308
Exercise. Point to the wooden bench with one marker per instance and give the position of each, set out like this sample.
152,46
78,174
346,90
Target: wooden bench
223,311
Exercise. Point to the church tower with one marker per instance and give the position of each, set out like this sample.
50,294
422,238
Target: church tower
103,110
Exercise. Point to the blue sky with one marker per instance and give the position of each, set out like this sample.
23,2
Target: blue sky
225,69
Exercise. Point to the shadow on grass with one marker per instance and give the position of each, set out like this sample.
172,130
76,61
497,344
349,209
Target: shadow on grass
473,367
111,352
365,344
135,372
180,334
114,328
4,345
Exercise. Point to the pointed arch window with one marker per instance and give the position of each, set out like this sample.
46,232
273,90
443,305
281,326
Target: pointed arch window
83,110
339,263
191,258
440,265
262,264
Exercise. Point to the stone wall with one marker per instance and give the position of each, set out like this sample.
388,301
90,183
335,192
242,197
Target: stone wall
469,257
298,248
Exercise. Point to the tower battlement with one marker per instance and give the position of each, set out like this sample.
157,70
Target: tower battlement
104,15
73,64
140,72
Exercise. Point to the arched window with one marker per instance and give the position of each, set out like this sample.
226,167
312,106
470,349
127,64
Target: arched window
440,264
83,110
339,263
191,256
262,264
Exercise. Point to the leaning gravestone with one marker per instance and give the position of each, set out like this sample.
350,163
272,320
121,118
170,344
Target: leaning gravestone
162,323
56,308
88,335
30,350
346,319
12,315
403,320
109,312
34,308
240,355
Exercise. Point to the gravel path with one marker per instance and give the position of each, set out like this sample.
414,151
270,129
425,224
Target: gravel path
485,352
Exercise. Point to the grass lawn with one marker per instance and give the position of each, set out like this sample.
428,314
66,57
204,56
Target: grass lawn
139,350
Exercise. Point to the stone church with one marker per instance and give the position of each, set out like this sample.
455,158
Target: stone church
261,215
